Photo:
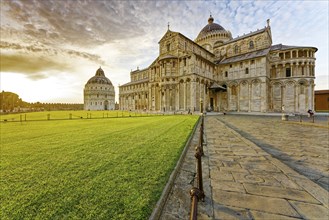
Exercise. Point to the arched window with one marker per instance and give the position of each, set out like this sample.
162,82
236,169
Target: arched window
247,70
168,47
251,45
288,72
233,90
236,49
301,88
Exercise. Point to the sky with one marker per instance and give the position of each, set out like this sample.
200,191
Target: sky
50,48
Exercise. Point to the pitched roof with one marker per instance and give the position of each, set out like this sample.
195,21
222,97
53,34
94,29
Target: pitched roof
136,82
245,56
246,35
217,87
287,47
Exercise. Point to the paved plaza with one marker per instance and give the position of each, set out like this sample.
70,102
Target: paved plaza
256,167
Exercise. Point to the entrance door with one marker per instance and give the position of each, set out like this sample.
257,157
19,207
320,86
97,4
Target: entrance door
212,104
106,103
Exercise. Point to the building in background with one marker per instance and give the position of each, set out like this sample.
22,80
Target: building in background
321,101
99,93
216,72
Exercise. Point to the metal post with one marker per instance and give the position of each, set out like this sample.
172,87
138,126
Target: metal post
198,155
195,195
201,135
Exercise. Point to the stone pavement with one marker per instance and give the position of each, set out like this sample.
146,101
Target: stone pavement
302,146
243,181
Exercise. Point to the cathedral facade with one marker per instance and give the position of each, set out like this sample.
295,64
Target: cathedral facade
99,93
216,72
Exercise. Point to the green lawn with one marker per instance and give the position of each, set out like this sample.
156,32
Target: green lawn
51,115
88,169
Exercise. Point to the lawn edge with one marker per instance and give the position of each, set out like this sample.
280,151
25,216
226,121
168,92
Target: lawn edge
167,189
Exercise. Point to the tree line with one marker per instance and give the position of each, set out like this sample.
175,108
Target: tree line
10,102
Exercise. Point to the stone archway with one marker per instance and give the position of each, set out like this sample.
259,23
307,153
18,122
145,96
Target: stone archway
106,104
255,96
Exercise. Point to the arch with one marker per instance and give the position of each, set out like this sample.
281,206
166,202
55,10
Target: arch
256,81
251,44
233,98
232,83
303,81
290,82
106,105
218,43
244,95
276,83
233,89
236,49
244,82
289,95
301,87
255,95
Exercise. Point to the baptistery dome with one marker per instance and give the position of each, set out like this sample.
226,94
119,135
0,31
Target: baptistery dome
99,93
99,78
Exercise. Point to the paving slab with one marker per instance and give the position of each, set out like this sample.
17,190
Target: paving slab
304,147
254,202
247,179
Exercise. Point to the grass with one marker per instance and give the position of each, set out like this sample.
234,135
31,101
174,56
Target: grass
17,117
88,169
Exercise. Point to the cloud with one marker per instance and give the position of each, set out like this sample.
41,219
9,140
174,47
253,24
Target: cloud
33,67
44,50
82,23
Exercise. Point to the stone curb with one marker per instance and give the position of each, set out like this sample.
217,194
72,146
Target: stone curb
165,193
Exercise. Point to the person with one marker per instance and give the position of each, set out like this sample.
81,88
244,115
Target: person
310,113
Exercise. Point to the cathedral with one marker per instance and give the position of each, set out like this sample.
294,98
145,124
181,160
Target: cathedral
216,72
99,93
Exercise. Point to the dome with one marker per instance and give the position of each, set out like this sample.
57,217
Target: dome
210,27
99,78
